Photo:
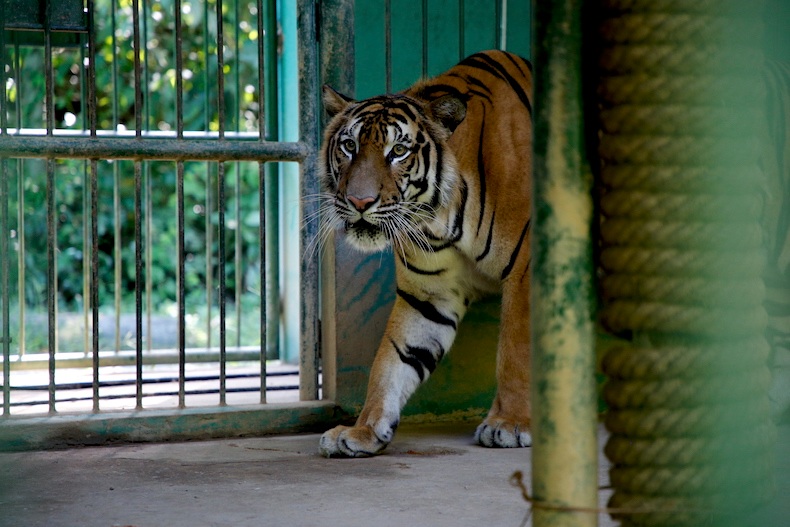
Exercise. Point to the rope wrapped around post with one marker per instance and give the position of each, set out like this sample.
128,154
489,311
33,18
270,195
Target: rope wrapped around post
680,104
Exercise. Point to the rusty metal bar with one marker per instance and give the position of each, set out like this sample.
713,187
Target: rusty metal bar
180,270
5,334
52,261
264,26
221,264
153,148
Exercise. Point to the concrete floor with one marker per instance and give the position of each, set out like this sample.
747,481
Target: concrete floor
430,476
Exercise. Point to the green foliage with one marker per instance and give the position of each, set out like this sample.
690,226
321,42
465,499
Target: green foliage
118,109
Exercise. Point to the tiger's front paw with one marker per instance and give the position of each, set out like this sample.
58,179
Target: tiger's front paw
503,433
354,441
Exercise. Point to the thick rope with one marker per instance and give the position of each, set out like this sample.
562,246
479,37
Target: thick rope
682,251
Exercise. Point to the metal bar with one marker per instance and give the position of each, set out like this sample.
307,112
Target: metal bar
21,253
270,130
116,193
564,450
94,205
86,248
52,277
149,211
263,99
308,126
237,271
149,148
52,271
138,219
263,276
221,201
94,279
180,287
138,278
5,335
3,107
209,254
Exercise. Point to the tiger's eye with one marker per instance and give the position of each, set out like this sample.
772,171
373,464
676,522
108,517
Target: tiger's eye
349,145
399,149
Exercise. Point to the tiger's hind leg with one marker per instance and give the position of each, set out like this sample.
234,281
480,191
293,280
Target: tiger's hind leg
508,422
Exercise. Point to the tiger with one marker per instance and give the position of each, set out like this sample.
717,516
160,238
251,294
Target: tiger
776,164
441,173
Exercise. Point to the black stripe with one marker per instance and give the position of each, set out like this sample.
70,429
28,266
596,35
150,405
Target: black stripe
421,359
435,91
410,360
514,255
426,309
417,270
486,63
519,62
457,230
481,172
488,239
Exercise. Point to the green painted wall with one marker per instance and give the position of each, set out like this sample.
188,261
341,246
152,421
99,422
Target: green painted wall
427,37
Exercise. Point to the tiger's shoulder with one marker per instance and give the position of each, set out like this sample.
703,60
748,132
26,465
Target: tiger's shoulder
490,76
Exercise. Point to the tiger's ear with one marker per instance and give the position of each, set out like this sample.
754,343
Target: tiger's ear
334,102
448,110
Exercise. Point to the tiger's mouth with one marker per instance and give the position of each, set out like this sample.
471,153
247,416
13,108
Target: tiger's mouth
366,236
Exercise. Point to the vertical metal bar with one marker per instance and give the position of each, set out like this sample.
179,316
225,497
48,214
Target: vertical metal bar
94,206
3,107
21,267
262,255
94,279
52,275
52,271
221,202
138,250
180,287
209,187
5,335
116,193
308,129
86,248
263,97
149,210
237,272
564,471
138,278
270,130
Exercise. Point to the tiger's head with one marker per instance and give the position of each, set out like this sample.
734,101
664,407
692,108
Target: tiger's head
385,167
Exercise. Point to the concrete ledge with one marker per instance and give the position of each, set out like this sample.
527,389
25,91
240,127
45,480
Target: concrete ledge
63,430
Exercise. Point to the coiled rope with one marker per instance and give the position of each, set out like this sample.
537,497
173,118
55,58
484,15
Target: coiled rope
682,253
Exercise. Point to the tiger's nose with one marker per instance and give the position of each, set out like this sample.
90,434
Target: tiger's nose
361,204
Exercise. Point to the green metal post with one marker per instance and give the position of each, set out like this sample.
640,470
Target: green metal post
564,453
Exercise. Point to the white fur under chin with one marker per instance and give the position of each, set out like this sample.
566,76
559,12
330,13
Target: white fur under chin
367,244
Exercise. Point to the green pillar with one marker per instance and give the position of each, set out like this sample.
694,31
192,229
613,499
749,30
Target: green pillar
564,451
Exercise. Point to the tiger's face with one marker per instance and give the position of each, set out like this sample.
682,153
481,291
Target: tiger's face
385,168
